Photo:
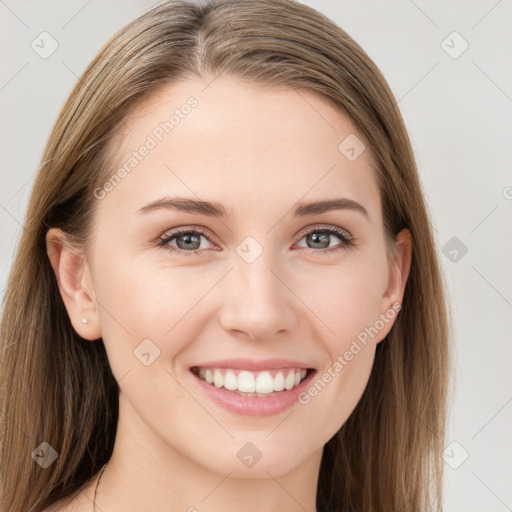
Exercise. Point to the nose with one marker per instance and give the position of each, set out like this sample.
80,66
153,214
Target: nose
257,301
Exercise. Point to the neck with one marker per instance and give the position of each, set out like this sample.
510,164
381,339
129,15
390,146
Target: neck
146,473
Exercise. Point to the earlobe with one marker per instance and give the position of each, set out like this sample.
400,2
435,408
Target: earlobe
75,284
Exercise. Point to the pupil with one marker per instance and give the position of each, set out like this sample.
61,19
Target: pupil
188,241
319,238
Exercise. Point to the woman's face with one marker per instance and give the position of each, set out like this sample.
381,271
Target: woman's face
266,282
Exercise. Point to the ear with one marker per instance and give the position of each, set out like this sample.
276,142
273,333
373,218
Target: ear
392,299
75,284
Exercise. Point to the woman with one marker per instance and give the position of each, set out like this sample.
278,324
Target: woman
227,293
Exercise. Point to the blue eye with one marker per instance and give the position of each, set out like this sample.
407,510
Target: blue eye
188,240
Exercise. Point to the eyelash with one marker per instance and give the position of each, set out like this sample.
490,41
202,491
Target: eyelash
346,239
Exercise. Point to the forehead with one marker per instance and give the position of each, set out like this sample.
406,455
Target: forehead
241,143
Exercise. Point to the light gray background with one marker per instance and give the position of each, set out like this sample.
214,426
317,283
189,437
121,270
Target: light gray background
458,113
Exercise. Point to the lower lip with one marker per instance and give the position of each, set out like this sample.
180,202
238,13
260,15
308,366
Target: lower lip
252,405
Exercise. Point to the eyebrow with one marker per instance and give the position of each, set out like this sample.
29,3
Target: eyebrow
215,209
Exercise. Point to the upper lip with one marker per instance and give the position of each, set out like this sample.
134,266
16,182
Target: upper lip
251,365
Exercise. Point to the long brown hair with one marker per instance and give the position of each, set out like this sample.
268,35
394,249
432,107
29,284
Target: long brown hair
57,388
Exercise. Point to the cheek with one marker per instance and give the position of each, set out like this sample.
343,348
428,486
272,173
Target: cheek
142,301
345,298
343,383
346,303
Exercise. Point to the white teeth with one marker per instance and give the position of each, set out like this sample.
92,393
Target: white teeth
265,383
230,381
279,382
246,382
253,384
218,379
289,381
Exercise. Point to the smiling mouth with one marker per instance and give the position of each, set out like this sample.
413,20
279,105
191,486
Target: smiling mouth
251,383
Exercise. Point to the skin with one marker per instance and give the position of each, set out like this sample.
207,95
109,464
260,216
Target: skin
258,150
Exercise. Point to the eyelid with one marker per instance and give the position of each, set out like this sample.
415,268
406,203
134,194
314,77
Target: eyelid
204,230
347,240
186,229
330,227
